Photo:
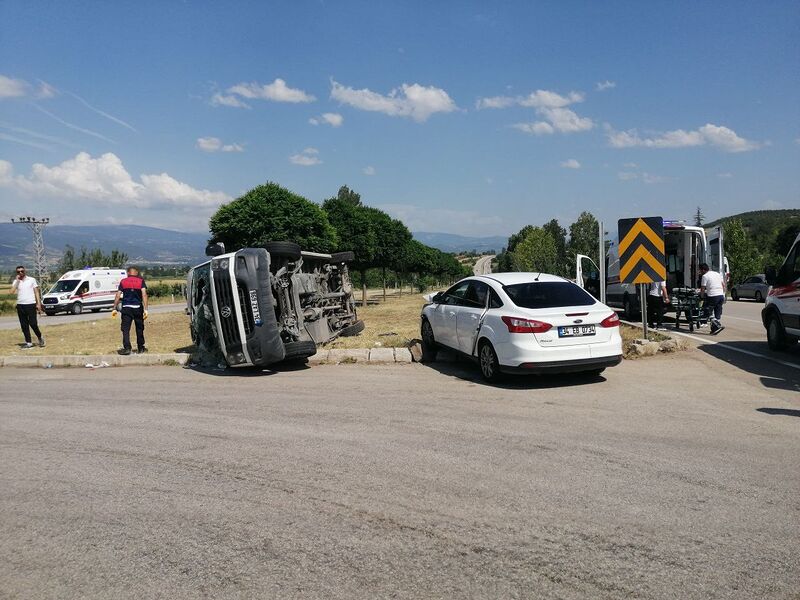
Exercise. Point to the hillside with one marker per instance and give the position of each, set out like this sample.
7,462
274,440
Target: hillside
761,223
147,245
449,242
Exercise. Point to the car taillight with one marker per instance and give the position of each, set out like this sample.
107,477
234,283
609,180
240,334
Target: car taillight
517,325
611,320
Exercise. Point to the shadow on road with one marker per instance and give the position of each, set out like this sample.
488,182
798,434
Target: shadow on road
225,371
773,375
789,412
465,370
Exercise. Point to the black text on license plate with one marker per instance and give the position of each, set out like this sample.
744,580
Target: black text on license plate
576,330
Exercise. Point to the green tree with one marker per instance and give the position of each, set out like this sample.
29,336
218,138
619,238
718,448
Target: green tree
559,235
391,236
348,195
785,238
354,226
90,258
537,251
268,213
743,256
583,240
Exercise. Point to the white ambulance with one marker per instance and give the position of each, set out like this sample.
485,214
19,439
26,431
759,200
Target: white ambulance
781,314
90,288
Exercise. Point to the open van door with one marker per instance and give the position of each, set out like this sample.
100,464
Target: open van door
587,275
716,254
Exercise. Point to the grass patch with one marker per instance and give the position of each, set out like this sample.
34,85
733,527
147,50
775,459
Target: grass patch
164,333
393,323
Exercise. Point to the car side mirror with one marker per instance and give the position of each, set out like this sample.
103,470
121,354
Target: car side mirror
771,275
437,298
215,249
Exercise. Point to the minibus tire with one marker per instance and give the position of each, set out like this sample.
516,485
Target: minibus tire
288,250
353,329
76,308
298,350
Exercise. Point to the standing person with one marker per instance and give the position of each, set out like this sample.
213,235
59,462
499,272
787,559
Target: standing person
133,292
712,288
29,302
657,297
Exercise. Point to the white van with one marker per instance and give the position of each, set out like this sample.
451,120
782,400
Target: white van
685,247
85,289
781,314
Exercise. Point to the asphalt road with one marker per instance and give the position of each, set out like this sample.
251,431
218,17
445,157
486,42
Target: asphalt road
744,336
674,477
483,266
62,319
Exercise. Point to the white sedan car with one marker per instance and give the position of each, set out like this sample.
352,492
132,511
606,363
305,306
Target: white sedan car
522,323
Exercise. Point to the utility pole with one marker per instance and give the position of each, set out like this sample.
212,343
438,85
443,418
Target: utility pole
39,259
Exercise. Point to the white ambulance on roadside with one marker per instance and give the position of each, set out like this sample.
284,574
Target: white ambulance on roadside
781,314
90,288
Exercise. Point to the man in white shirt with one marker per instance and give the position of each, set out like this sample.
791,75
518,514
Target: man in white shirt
29,302
657,297
712,288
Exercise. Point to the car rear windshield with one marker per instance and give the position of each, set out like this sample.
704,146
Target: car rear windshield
547,294
66,285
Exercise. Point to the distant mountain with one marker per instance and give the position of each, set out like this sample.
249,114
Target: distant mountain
146,245
450,242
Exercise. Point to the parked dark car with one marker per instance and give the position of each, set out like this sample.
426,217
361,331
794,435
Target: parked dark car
259,306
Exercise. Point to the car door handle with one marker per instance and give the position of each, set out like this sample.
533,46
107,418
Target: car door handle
452,313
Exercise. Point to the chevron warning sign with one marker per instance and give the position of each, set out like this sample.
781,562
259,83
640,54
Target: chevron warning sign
641,250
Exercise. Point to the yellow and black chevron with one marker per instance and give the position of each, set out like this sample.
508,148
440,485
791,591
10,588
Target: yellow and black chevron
641,250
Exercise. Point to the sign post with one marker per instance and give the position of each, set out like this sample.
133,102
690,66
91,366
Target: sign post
602,258
641,256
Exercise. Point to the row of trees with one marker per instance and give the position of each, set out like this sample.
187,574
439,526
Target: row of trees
549,249
748,255
270,212
95,257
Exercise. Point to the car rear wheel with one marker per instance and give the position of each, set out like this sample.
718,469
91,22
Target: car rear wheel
487,360
429,348
288,250
759,297
353,329
734,295
76,308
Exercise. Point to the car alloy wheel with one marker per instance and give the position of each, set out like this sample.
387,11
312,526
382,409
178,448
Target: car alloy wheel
490,368
759,297
429,349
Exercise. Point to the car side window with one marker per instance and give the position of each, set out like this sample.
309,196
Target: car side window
796,262
455,295
494,299
476,294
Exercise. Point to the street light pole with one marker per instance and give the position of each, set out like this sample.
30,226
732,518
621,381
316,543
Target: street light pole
36,226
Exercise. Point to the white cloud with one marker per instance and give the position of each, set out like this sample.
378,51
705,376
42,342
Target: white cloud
630,165
724,175
105,179
602,86
219,99
550,106
537,99
46,90
277,91
332,119
213,144
368,170
720,137
13,88
309,157
571,163
415,101
648,178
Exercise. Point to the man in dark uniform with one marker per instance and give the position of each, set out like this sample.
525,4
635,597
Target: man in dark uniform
133,293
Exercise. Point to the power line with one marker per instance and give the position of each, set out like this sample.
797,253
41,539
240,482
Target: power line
36,227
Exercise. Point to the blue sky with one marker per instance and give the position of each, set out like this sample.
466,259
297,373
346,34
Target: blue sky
463,117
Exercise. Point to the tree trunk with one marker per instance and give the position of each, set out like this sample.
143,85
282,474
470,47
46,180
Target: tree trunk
384,283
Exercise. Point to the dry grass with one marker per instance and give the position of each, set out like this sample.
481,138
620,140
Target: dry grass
392,323
166,332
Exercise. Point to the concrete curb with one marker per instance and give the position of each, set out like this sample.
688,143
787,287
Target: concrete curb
323,356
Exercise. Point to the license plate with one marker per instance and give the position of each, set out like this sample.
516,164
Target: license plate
575,331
